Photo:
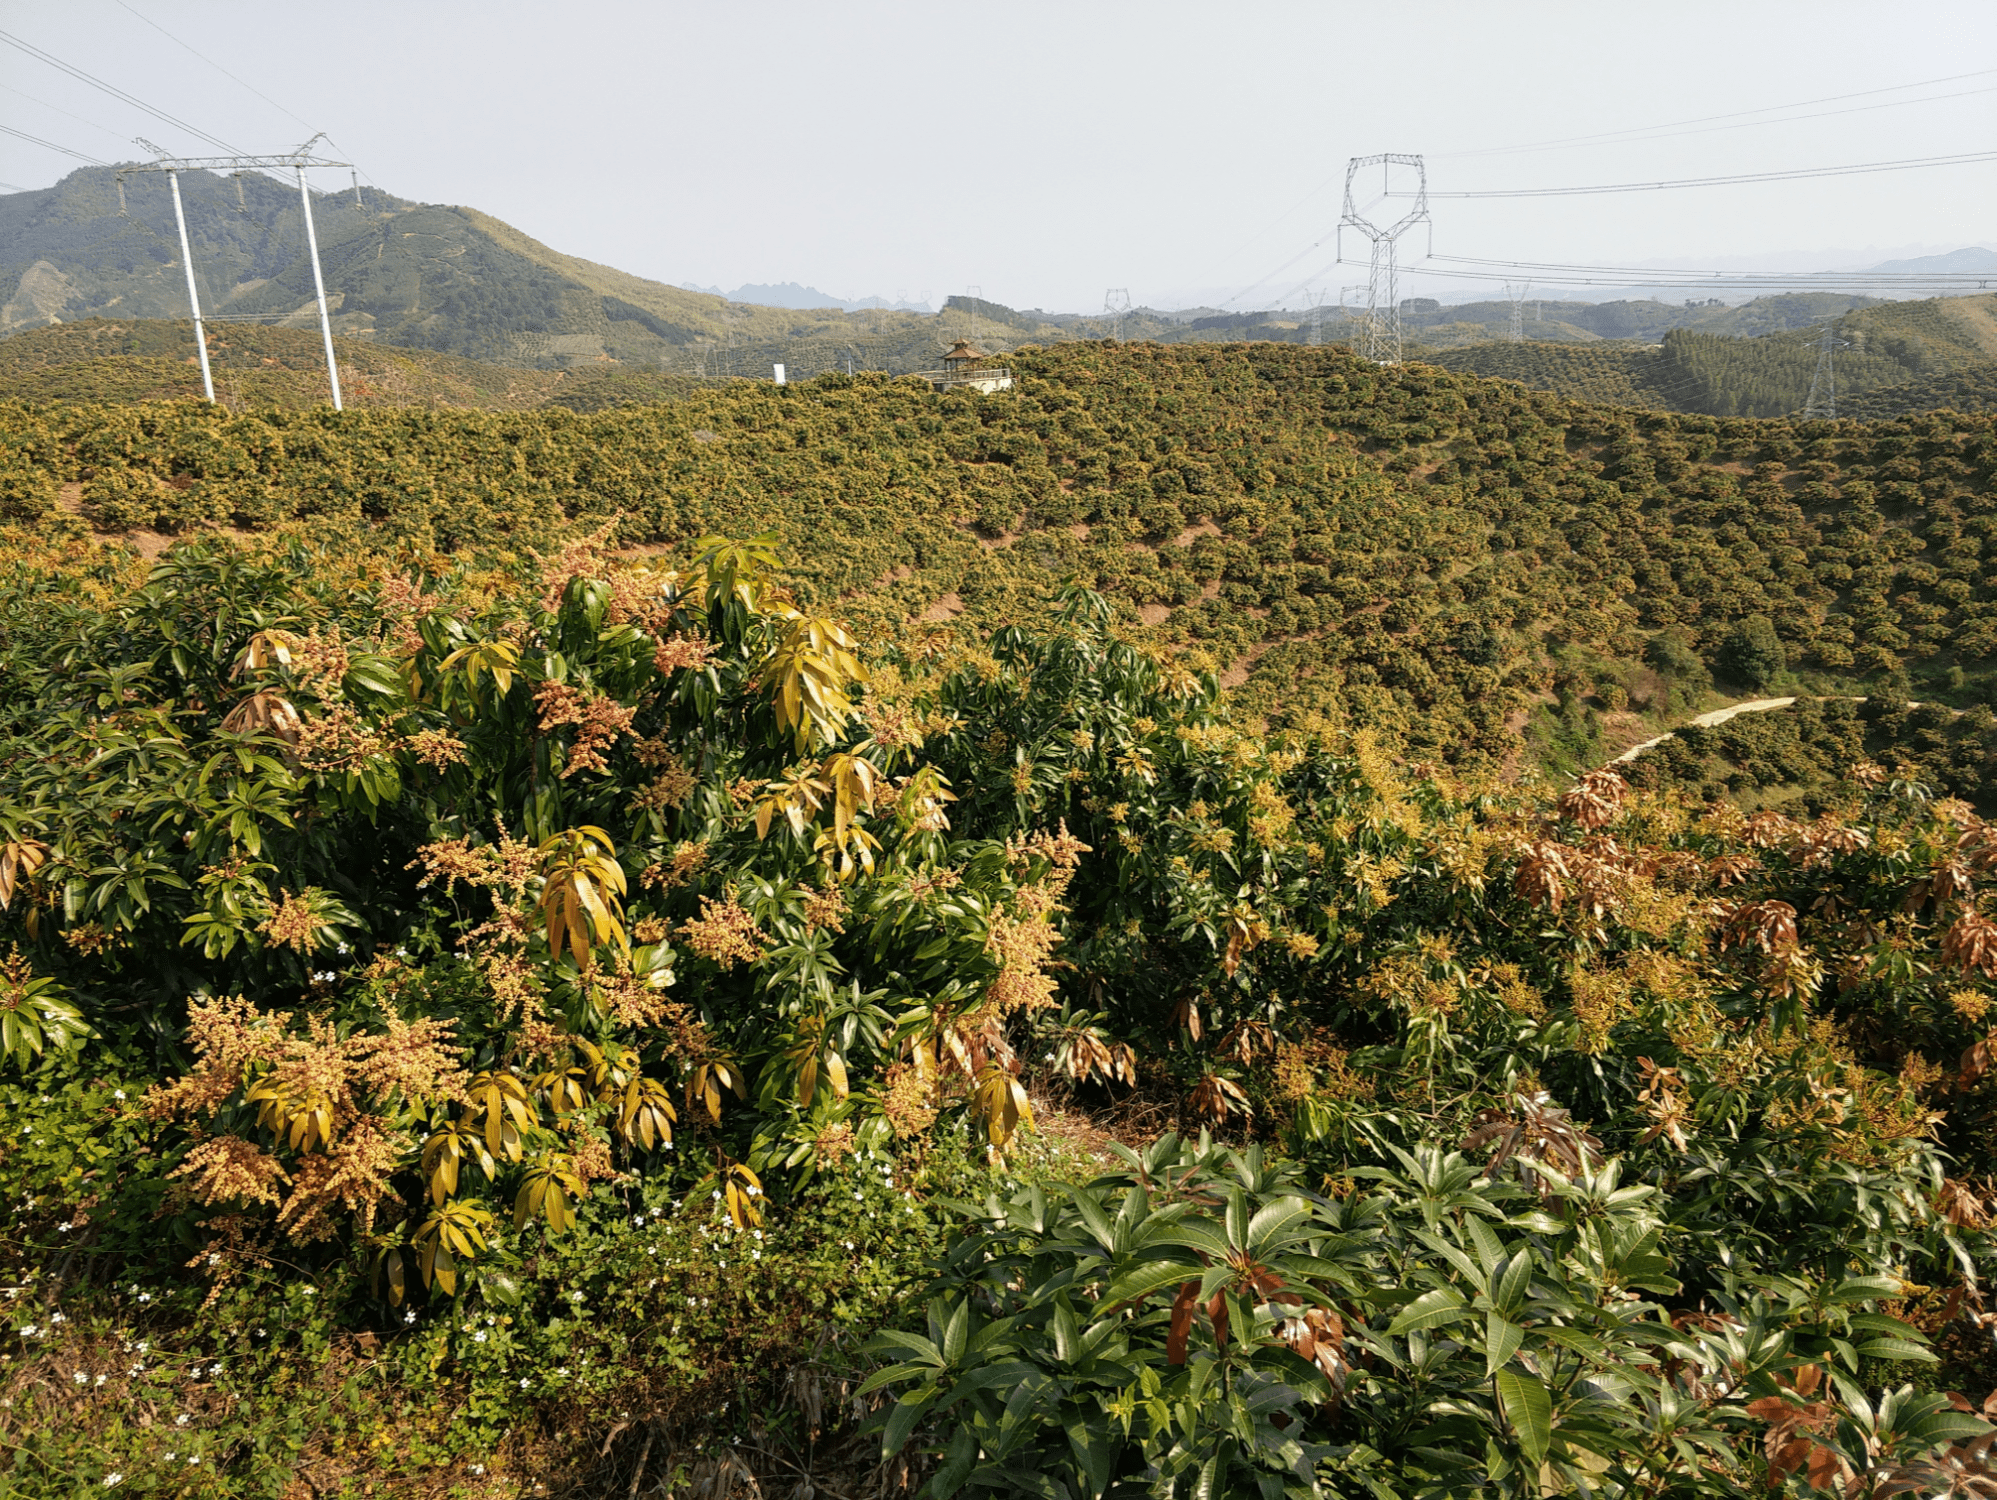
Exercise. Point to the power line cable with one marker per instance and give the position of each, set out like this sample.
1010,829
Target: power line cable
1640,131
51,145
1612,135
1682,276
1824,281
1854,169
58,109
116,93
1857,109
215,65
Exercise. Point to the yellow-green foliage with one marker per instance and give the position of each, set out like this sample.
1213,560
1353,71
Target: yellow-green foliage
1973,389
139,359
1399,547
1612,373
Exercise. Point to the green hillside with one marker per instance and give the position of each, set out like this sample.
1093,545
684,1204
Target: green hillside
1450,560
421,275
843,937
101,359
1970,389
1881,346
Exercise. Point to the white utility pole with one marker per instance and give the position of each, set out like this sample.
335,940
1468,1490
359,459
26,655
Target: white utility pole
193,296
299,160
319,286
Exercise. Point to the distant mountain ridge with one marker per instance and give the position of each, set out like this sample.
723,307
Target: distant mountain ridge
1968,259
790,294
427,276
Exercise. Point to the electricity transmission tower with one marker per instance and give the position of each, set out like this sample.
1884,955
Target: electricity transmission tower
1823,400
1116,307
1516,292
1317,315
1353,311
1383,302
298,161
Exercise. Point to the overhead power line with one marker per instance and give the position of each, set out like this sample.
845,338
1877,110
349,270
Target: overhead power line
1743,114
116,93
186,46
1854,169
51,145
58,109
1678,276
1825,281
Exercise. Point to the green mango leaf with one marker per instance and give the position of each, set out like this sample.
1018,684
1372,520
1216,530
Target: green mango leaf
1530,1410
1430,1310
902,1417
1502,1338
1896,1349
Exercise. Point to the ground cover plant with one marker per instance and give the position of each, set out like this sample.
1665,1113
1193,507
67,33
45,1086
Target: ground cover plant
579,1020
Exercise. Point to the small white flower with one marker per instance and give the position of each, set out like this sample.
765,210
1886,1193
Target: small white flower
102,1377
563,1370
119,1094
181,1420
144,1298
410,1316
29,1332
62,1229
478,1468
193,1459
169,1458
214,1369
82,1377
479,1337
523,1384
58,1318
111,1479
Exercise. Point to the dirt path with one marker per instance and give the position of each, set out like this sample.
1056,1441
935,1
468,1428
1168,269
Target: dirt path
1721,715
1707,721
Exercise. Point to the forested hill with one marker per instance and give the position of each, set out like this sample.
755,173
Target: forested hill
1921,350
427,276
1452,560
253,367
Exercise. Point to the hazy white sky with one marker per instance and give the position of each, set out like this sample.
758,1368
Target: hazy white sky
1045,151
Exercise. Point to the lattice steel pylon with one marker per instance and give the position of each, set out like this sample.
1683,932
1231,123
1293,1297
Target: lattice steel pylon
1516,292
1823,400
1383,300
1116,307
1317,315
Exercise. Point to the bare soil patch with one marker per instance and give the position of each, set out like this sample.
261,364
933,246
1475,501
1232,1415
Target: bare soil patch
948,607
